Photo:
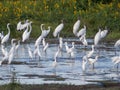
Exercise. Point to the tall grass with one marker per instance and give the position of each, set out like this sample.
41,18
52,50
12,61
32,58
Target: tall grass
50,12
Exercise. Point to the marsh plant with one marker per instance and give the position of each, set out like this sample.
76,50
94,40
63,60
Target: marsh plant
93,13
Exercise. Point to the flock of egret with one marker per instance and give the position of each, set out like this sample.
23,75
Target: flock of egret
81,34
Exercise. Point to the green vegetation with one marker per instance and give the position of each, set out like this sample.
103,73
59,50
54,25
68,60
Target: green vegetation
14,86
93,13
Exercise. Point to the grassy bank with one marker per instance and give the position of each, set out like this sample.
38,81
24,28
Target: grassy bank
104,86
93,13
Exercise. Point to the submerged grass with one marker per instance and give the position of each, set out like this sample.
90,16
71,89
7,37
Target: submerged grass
105,86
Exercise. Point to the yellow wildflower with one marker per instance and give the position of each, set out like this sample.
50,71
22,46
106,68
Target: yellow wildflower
75,12
56,5
0,4
116,13
118,5
0,15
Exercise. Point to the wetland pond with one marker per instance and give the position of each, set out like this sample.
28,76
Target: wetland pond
67,71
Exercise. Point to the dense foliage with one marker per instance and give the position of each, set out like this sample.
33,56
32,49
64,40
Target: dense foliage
93,13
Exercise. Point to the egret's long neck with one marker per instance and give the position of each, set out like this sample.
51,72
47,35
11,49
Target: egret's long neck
41,27
27,29
55,59
84,27
48,28
30,28
92,48
8,29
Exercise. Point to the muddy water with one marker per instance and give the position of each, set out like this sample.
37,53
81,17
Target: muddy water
68,70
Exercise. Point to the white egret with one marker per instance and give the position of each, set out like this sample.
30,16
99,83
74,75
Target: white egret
82,32
12,41
6,37
117,43
60,42
45,47
4,52
76,27
90,53
93,60
26,35
43,42
55,57
37,52
10,58
1,35
11,52
21,26
38,41
43,35
18,45
116,60
13,45
83,40
58,29
84,62
30,52
104,32
70,50
97,37
41,27
45,32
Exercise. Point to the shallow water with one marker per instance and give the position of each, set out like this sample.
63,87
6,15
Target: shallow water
67,71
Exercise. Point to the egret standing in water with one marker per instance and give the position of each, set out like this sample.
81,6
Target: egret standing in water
84,62
45,32
45,47
116,61
93,60
26,33
97,37
12,51
82,32
104,33
61,44
55,57
90,53
117,45
30,52
69,50
1,35
83,40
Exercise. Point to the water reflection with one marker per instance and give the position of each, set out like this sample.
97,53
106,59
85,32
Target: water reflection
67,67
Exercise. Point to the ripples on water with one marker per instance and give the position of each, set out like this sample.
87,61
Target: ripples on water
68,69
